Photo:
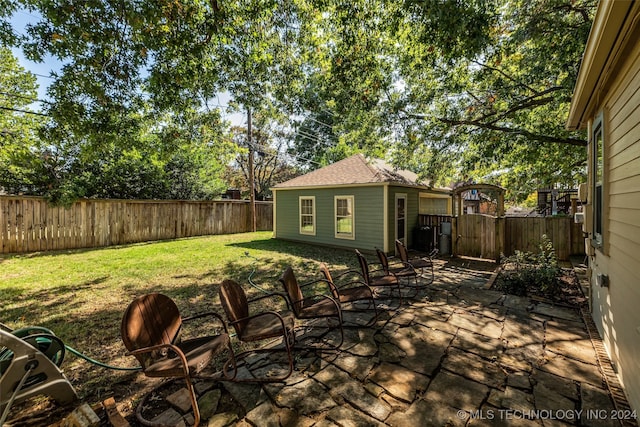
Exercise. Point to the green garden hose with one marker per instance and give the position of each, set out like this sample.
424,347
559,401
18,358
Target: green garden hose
46,342
253,271
102,365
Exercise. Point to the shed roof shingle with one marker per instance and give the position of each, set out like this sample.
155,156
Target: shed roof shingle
353,170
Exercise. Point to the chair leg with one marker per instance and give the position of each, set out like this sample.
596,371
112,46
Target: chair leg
194,401
320,337
399,293
288,339
231,360
390,295
376,314
341,330
426,273
371,306
432,277
288,349
288,343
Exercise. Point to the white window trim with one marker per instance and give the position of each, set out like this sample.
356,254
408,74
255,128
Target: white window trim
313,215
337,235
395,215
598,127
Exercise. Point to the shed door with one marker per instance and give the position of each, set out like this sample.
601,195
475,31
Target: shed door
401,221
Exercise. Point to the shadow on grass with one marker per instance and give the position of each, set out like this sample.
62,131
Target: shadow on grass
297,249
45,301
63,252
87,316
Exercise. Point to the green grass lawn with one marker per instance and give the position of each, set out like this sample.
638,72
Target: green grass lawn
81,295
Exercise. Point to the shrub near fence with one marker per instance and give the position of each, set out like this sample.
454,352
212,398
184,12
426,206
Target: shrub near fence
30,224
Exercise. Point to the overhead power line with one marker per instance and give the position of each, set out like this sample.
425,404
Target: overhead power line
42,75
28,98
319,122
23,111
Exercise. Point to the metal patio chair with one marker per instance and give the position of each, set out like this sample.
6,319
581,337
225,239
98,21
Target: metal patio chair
350,292
423,265
259,326
311,307
151,328
375,276
402,270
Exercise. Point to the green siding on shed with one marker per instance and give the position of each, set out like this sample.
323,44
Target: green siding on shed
368,211
412,207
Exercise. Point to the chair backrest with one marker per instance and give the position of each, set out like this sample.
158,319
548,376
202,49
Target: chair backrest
149,320
235,305
327,276
384,261
364,266
292,288
401,249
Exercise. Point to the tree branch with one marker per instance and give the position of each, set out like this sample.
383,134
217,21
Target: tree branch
527,134
497,70
523,106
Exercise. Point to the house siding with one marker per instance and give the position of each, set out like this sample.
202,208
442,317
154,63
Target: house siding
615,309
368,216
411,214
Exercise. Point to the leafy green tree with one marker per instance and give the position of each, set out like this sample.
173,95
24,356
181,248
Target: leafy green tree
472,90
127,61
8,36
183,159
475,89
496,110
26,163
174,54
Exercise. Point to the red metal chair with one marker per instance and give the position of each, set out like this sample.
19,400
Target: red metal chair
402,270
377,277
257,327
422,264
150,330
350,292
310,307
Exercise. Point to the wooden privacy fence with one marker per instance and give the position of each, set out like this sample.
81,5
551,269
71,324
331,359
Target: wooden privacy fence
29,224
524,234
486,236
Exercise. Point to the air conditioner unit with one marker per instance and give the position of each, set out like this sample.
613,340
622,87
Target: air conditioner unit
583,192
578,217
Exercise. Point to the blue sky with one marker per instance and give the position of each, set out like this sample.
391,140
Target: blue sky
42,70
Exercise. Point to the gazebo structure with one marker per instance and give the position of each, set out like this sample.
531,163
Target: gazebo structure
478,232
478,190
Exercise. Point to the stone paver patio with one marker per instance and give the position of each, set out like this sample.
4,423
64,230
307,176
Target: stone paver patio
456,354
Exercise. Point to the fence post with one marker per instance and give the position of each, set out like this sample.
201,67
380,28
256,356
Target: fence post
500,237
454,236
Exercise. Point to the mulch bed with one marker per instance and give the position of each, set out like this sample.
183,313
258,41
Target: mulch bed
569,292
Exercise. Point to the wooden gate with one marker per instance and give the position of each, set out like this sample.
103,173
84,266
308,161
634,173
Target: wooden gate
478,236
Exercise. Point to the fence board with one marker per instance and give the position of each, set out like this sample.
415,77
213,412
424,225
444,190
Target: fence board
4,226
30,224
488,237
525,234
